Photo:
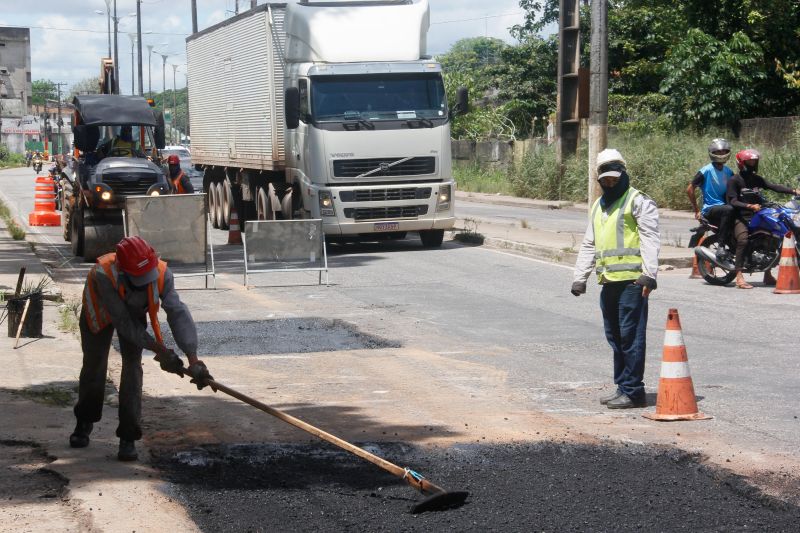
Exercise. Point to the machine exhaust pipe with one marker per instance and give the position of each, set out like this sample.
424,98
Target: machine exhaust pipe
705,254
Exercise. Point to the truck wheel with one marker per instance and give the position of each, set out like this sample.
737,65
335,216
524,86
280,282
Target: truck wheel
227,202
431,238
66,221
220,201
212,204
76,224
263,211
286,205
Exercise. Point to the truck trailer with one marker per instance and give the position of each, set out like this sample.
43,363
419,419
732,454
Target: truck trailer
324,110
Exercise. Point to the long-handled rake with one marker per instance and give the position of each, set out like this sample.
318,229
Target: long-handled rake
438,499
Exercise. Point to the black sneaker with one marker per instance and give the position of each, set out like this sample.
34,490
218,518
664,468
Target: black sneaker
127,450
605,399
626,402
80,437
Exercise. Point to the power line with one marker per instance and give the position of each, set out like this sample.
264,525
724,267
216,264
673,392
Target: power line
479,18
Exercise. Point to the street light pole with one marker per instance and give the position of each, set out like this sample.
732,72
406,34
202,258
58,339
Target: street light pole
132,37
174,105
139,42
149,71
116,50
108,18
164,73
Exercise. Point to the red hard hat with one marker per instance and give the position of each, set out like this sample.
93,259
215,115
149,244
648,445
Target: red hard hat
174,160
138,260
746,155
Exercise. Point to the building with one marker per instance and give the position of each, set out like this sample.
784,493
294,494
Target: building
15,86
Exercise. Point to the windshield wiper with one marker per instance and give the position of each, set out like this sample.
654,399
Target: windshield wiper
419,122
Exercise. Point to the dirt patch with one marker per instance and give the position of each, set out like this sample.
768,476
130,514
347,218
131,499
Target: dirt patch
520,487
24,475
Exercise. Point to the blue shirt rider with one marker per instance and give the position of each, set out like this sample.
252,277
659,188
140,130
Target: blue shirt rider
713,179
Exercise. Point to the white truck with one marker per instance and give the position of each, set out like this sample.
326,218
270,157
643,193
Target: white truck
324,109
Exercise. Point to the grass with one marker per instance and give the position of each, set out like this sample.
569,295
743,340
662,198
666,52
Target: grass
473,178
49,395
16,231
68,317
469,233
660,164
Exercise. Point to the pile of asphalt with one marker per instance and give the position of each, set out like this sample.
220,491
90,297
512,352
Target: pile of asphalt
514,487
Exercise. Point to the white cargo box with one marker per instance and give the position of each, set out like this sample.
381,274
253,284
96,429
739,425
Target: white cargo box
235,82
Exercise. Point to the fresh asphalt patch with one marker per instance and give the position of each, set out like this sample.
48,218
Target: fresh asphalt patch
513,487
281,336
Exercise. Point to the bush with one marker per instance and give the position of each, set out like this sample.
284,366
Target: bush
10,159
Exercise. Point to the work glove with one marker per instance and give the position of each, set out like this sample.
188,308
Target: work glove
578,288
647,281
170,362
199,374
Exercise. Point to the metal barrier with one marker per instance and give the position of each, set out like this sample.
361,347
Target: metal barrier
284,246
176,225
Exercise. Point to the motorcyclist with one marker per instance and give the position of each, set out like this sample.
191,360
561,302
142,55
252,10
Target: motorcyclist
179,180
712,180
744,194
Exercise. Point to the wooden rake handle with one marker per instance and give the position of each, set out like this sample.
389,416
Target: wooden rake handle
407,475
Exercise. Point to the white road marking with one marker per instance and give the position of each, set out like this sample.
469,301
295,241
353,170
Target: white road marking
566,267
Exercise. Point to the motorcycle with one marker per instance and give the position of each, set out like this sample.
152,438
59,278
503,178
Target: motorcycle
766,230
56,175
37,164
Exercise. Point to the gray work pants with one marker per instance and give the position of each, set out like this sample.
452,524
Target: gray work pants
91,391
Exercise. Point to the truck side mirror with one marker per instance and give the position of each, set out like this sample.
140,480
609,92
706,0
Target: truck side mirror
86,137
159,132
462,102
291,104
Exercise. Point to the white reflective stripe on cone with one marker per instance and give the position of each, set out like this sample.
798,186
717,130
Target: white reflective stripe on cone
675,370
673,337
788,261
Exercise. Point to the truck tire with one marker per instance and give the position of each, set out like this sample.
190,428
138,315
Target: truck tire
431,238
76,224
220,200
227,202
66,221
212,204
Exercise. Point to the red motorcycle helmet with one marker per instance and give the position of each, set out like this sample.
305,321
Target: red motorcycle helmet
173,160
744,156
138,260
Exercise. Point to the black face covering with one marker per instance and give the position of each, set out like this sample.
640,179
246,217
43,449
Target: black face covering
612,194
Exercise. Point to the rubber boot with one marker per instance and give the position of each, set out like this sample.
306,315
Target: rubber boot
80,437
127,450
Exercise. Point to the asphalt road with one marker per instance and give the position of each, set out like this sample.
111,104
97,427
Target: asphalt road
469,348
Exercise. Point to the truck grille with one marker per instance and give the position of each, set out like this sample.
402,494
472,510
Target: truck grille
416,166
129,187
382,195
382,213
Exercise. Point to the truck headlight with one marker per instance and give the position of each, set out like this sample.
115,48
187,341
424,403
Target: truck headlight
104,191
443,200
105,195
156,190
326,204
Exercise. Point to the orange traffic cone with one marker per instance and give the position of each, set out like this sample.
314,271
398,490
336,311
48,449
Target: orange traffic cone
44,204
695,270
234,234
788,274
676,400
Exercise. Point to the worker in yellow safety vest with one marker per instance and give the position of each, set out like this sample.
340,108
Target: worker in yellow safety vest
621,243
121,291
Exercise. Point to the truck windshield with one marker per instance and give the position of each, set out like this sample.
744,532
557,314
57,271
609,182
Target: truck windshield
378,97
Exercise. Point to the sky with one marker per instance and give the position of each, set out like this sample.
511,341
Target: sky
68,37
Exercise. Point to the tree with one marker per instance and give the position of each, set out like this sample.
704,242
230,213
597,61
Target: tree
85,86
709,81
43,90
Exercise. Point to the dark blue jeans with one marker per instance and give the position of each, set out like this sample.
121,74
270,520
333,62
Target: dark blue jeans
625,321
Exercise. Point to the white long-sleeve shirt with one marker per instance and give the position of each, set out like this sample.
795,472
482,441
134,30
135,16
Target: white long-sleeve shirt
645,212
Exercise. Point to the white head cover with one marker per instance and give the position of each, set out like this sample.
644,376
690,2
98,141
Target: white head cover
609,155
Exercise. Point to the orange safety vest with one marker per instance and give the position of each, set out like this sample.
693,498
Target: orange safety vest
97,316
178,185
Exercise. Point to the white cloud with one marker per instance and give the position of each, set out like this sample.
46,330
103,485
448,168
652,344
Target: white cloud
68,38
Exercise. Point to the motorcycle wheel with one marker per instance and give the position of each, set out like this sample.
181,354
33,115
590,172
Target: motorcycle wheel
713,274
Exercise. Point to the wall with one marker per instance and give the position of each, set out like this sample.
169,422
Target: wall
774,131
494,152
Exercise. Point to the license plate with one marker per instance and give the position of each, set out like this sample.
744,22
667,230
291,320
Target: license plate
386,226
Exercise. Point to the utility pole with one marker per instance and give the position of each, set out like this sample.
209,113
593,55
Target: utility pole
253,4
139,43
567,116
236,12
60,121
598,92
149,71
132,37
194,16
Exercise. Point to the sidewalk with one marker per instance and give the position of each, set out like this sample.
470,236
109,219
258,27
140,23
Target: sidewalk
53,487
554,246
